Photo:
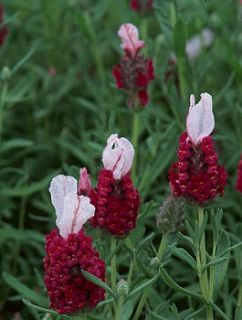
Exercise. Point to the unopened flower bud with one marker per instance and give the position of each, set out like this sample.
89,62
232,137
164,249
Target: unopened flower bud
154,265
84,185
122,288
5,74
170,218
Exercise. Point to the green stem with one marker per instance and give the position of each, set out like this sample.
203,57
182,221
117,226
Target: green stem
2,103
182,79
119,307
135,138
201,263
162,246
141,304
240,287
211,274
146,292
131,269
240,296
113,264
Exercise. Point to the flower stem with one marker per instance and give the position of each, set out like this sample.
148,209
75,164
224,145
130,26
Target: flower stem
146,292
119,307
135,138
162,246
113,264
141,304
201,263
182,78
2,103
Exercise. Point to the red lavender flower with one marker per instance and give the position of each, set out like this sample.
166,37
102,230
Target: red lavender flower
69,251
3,30
239,177
196,175
115,198
134,72
141,5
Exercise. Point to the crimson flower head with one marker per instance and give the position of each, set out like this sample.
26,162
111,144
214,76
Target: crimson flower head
196,175
239,176
115,198
134,72
3,30
69,250
141,5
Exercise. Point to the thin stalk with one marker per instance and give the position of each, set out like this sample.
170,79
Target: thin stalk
113,264
182,78
211,274
201,262
135,138
132,262
146,292
119,307
162,246
2,103
131,269
240,288
141,304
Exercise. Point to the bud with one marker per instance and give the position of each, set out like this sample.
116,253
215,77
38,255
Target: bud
170,218
154,265
5,74
122,288
84,185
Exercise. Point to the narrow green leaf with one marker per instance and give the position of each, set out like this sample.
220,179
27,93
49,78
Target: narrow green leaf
214,261
98,282
22,289
15,143
183,255
172,284
143,286
221,269
219,311
127,310
27,190
238,313
31,305
191,315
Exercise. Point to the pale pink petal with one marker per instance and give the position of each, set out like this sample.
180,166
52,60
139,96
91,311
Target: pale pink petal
200,119
85,212
130,39
118,156
84,186
60,187
77,210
